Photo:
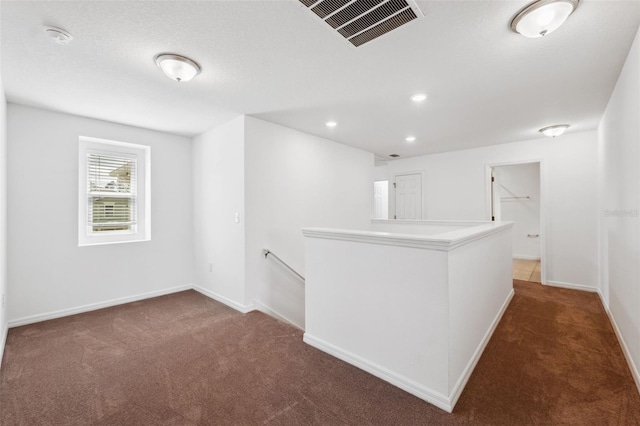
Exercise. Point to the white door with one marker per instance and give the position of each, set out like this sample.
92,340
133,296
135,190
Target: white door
381,199
409,197
496,196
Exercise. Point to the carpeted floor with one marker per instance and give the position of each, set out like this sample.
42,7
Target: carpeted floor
183,359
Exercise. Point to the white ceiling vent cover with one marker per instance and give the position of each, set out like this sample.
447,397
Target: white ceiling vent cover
360,21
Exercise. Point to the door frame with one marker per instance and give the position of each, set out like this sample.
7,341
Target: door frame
392,190
543,205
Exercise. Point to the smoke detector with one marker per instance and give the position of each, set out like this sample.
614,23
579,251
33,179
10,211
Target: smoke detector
58,35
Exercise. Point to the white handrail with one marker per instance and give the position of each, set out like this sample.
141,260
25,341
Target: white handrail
266,253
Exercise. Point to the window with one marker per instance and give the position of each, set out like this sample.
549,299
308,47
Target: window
113,192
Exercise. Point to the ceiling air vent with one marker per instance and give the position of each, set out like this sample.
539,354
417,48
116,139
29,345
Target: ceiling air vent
360,21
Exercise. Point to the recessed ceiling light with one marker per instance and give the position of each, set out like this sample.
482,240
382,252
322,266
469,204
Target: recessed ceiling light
542,17
419,97
176,67
553,131
58,35
331,124
410,138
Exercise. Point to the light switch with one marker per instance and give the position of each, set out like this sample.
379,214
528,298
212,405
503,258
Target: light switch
237,217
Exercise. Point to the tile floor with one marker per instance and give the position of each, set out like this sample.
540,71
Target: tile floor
526,270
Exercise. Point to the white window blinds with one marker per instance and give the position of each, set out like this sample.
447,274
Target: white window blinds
112,192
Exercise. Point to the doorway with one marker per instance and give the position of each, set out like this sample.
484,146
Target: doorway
381,199
516,197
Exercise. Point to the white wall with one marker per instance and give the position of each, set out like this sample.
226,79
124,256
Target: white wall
456,188
521,180
292,181
383,308
414,310
619,206
218,186
381,172
48,274
3,219
480,288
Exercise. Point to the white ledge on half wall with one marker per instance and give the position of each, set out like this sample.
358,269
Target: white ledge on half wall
430,222
433,238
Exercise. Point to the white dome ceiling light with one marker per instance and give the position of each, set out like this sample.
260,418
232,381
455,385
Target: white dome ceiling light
553,131
176,67
58,35
542,17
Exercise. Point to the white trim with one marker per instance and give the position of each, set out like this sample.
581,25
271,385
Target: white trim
443,242
408,385
544,206
572,286
623,344
95,306
267,310
3,341
457,389
224,300
525,257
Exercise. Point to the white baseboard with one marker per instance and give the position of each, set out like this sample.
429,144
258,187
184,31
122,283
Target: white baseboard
408,385
623,344
267,310
572,286
3,342
122,300
457,389
94,306
224,300
525,257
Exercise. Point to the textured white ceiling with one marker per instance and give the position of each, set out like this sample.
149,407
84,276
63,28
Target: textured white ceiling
276,61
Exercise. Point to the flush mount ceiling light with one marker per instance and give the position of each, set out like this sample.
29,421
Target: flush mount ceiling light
410,139
419,97
177,67
553,131
58,35
542,17
331,124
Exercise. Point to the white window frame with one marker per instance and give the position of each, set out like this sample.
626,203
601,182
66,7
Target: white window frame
142,230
